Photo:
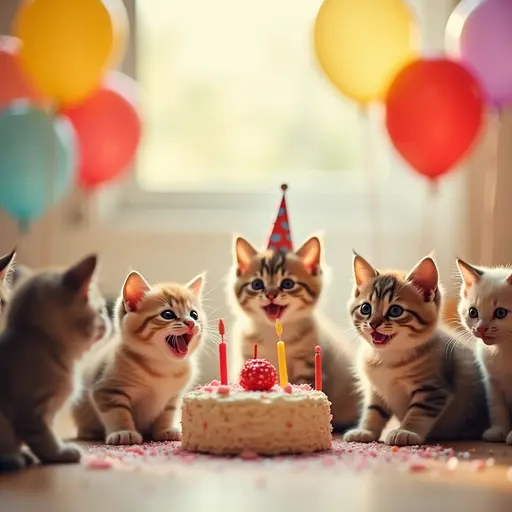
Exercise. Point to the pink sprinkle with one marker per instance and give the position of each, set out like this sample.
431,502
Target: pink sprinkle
288,388
214,383
248,455
478,465
328,461
417,467
207,389
134,449
98,464
223,390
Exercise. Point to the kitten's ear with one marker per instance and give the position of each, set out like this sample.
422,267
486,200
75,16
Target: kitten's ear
363,271
134,289
470,275
425,276
7,263
310,253
196,285
78,277
244,253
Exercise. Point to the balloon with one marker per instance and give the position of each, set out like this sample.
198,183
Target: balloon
108,130
37,161
479,34
360,45
434,111
69,45
14,84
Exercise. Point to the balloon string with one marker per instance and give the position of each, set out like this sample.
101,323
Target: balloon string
369,166
429,218
490,185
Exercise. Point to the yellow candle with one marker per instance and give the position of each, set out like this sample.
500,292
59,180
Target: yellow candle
281,356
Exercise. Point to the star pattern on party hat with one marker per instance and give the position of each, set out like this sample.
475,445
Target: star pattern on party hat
280,239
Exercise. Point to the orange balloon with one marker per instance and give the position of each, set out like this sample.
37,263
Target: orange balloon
14,84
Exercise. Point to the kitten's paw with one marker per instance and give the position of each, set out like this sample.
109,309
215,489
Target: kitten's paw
495,434
360,435
67,454
124,437
30,459
402,437
167,435
12,462
509,438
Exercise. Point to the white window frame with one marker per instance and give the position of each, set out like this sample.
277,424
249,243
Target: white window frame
130,207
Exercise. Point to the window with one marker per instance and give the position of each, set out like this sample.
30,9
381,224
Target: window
234,100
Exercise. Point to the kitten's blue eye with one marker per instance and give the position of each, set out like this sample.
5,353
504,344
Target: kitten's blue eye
287,284
257,285
500,313
473,313
194,315
168,315
395,311
366,309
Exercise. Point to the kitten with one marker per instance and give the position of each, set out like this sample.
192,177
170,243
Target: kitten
133,383
52,319
409,366
7,265
270,285
485,309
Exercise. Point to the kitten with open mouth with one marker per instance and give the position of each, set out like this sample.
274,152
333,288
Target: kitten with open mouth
274,311
132,384
381,339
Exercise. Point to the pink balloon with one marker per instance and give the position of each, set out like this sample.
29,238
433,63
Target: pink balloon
479,35
14,85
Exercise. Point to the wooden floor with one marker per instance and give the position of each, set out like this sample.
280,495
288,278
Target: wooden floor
263,488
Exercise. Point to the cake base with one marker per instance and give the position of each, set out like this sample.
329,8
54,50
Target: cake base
228,420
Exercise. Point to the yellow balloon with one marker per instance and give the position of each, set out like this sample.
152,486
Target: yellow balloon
362,44
68,45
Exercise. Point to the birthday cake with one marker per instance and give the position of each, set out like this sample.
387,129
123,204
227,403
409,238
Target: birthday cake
256,416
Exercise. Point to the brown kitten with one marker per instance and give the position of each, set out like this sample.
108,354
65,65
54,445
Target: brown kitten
133,383
7,266
270,285
52,319
409,366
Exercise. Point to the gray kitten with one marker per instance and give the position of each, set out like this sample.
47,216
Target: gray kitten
52,319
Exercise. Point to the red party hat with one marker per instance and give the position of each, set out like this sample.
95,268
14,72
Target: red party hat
280,239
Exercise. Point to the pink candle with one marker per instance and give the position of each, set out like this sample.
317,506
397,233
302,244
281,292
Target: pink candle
223,360
318,368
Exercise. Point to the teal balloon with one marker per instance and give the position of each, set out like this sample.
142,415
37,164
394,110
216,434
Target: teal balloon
37,161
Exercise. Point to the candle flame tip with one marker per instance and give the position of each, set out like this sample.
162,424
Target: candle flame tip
318,349
279,327
222,330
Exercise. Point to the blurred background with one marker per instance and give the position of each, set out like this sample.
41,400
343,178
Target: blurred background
230,110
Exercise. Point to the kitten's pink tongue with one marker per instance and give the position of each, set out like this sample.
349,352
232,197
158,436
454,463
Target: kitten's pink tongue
379,338
181,345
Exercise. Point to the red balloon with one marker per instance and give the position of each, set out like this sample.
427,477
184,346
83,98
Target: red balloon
434,112
14,85
108,130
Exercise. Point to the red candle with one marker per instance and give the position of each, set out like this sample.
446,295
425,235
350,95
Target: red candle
223,360
255,352
318,368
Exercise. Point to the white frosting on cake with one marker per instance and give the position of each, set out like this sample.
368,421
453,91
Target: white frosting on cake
230,420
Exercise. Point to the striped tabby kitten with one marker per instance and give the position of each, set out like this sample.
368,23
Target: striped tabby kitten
52,319
485,309
133,383
7,264
287,286
409,366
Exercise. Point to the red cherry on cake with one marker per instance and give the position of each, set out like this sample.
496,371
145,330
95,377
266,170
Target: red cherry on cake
258,375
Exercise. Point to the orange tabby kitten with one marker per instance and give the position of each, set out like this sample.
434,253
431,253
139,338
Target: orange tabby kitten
287,286
7,263
52,319
133,382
